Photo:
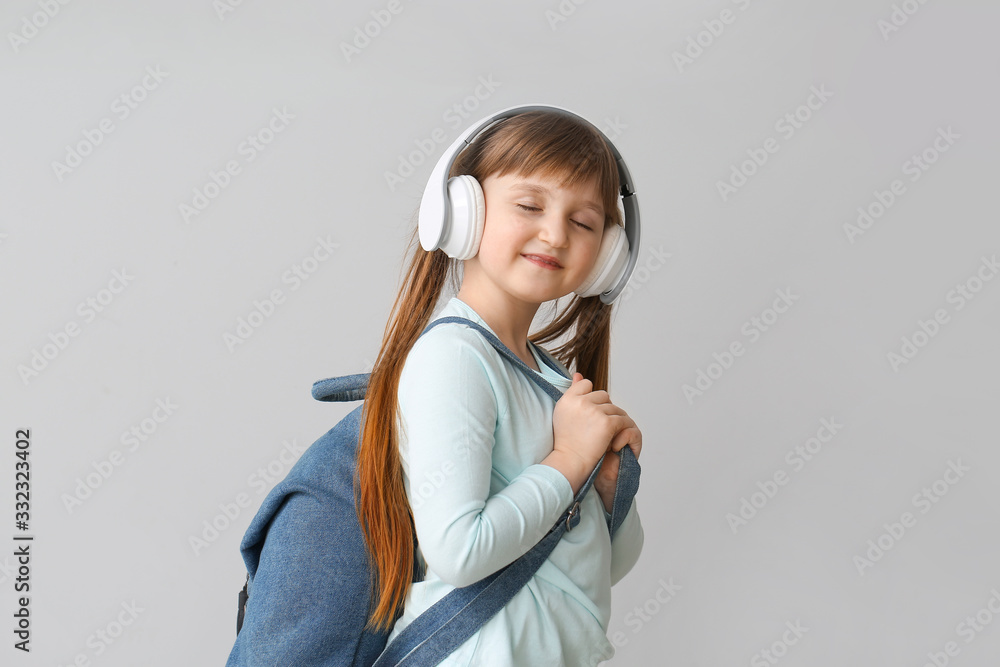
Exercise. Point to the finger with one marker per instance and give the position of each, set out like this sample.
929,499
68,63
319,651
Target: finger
636,448
630,436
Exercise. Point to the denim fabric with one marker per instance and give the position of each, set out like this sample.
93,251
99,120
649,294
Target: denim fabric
307,562
309,590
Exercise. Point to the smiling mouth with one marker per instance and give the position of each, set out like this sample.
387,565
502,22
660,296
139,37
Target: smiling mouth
535,259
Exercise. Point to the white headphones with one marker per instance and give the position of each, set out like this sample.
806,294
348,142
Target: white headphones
453,213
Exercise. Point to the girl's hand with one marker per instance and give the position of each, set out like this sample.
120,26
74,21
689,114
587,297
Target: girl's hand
607,476
584,423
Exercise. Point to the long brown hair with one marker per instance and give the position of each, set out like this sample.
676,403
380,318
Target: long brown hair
536,142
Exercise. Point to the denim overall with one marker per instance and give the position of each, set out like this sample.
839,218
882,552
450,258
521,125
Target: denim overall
307,562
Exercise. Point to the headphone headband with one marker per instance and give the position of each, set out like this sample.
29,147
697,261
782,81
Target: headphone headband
435,213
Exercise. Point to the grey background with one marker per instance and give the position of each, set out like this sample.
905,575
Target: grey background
682,129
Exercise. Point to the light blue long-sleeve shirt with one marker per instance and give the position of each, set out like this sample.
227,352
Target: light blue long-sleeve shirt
473,430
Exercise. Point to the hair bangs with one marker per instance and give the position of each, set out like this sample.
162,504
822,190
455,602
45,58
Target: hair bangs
550,145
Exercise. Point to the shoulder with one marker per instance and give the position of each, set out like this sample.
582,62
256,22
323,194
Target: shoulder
452,354
449,374
451,342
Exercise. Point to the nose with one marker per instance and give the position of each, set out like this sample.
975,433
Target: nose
553,229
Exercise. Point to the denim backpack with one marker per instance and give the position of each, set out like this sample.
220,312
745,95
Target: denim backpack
307,597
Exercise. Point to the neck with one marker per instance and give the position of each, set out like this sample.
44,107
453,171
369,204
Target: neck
509,318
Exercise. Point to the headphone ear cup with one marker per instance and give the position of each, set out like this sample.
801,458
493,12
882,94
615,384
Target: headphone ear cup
468,217
612,258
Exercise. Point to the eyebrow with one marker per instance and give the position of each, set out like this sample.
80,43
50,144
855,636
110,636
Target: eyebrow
538,189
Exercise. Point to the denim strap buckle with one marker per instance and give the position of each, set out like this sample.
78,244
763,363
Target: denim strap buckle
573,516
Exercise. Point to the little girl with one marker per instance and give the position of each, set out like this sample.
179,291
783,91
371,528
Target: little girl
464,448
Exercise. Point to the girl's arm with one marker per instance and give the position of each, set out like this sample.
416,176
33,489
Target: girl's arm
449,411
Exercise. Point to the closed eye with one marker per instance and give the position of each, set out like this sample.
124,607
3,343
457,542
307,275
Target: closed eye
534,208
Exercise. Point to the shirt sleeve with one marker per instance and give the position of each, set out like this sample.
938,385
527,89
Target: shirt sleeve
627,543
448,412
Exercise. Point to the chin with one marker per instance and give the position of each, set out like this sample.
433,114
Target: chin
539,296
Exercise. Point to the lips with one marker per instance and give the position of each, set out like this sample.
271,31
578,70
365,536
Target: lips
546,261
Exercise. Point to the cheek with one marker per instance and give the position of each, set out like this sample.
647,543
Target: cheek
499,243
590,255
